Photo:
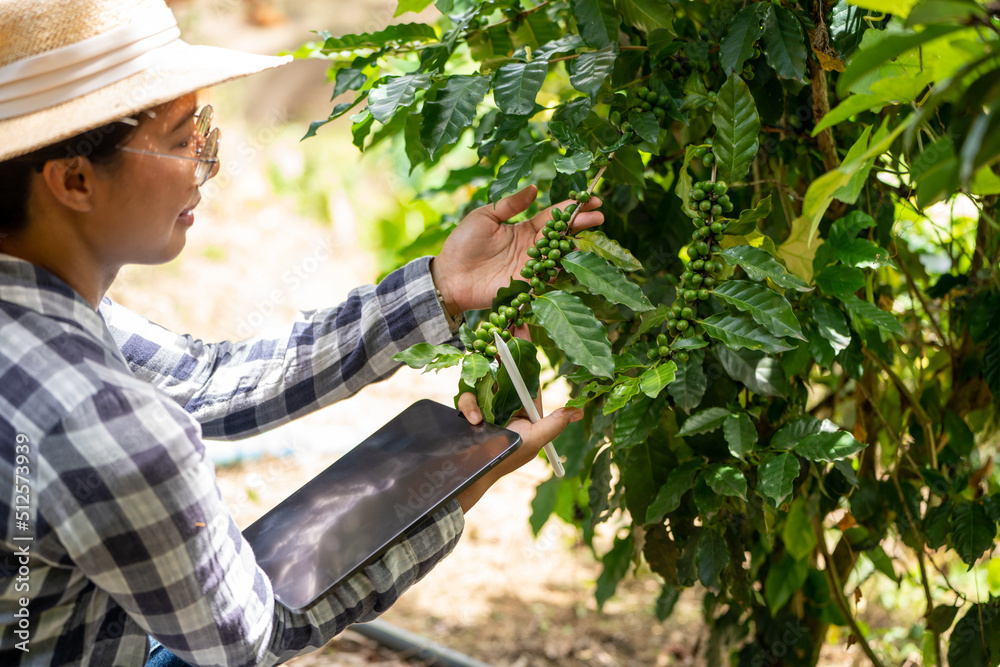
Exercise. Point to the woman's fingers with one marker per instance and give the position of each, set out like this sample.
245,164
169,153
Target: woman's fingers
469,407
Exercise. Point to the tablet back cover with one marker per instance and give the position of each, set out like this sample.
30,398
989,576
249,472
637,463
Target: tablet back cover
351,512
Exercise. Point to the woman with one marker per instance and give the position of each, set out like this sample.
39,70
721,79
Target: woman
115,535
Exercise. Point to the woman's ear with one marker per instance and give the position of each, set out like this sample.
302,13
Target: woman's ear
70,181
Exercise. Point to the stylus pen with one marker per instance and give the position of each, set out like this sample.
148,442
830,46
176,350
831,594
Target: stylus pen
529,405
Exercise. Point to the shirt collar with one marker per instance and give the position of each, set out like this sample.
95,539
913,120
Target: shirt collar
40,290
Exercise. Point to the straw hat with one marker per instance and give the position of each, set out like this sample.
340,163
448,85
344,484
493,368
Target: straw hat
68,66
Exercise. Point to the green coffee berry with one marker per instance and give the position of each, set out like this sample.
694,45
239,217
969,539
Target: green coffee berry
682,325
682,356
479,345
491,350
527,272
555,253
703,294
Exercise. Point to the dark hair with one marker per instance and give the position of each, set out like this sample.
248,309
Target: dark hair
97,145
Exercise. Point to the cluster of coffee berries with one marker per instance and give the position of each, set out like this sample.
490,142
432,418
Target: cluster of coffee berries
747,72
649,100
544,258
663,350
500,320
709,200
705,154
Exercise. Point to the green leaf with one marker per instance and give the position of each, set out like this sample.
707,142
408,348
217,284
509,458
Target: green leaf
784,43
647,16
972,531
349,78
411,6
791,434
668,498
797,533
576,331
761,266
636,421
665,602
588,72
597,21
600,486
737,129
401,32
645,125
491,45
507,401
740,434
777,475
861,253
399,92
656,378
826,446
865,311
760,373
783,579
749,218
596,242
832,325
416,154
890,48
944,11
616,564
572,163
726,481
474,366
745,28
973,642
544,503
738,331
515,86
960,437
512,171
601,278
824,189
690,382
451,110
536,30
421,354
713,557
622,393
685,181
840,280
704,421
766,306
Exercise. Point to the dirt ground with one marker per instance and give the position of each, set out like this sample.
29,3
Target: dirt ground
503,597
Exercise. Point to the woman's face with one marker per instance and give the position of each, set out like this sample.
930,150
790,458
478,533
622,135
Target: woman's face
145,205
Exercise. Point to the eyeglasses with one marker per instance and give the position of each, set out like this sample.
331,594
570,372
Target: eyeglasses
205,148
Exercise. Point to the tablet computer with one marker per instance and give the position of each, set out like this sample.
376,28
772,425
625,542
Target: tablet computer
350,513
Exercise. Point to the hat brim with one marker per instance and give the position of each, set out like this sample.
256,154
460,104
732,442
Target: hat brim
178,69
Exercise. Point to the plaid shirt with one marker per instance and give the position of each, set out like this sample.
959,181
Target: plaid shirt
116,529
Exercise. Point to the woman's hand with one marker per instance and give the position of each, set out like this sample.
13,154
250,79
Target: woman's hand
483,253
533,438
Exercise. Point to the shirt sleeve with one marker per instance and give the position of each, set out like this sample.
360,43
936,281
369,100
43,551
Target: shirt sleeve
155,535
244,388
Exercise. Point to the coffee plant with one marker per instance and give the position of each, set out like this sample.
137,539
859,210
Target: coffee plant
786,334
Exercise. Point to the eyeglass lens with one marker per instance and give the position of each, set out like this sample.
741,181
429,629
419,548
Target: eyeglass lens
208,151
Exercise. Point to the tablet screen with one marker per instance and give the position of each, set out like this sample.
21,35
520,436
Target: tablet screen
348,514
